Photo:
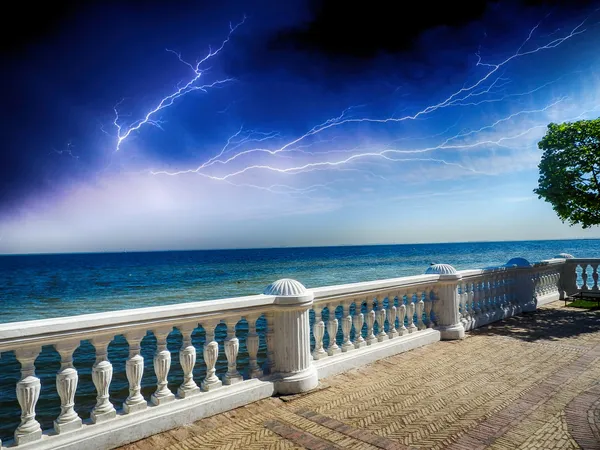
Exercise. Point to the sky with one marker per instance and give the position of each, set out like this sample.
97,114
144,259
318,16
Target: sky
190,125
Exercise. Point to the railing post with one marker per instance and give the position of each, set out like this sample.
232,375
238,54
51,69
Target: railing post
293,369
448,321
526,283
568,276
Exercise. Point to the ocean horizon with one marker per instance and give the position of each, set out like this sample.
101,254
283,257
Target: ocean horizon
44,285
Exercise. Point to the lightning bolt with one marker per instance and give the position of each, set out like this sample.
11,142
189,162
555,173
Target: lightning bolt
245,143
124,132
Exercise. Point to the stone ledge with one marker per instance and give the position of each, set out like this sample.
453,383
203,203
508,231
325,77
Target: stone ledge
343,362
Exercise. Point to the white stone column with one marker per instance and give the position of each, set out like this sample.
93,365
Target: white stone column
102,372
318,332
28,392
187,359
66,385
448,320
332,329
392,314
134,368
358,321
420,307
162,365
232,348
295,372
252,344
211,354
347,345
402,315
370,319
381,315
410,312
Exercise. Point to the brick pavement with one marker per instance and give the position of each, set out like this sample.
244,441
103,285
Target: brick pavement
530,382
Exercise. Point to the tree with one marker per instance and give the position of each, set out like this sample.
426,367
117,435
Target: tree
570,171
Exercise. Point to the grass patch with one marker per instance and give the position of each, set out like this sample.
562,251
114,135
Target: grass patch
586,304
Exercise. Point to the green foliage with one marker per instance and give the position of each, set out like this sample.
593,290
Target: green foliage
570,171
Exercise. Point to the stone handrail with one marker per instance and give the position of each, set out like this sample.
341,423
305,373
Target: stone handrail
309,334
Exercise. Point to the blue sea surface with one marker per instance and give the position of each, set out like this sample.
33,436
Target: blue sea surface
44,286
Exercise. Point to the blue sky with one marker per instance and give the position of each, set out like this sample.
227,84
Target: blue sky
433,141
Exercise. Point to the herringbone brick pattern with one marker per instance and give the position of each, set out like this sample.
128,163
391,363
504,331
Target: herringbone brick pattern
527,383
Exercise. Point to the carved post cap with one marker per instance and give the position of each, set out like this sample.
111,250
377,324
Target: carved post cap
289,292
518,262
445,271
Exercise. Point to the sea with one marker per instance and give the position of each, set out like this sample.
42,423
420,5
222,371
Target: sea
55,285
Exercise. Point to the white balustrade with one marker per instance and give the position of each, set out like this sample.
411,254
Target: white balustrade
397,314
28,393
252,344
232,348
102,373
211,353
162,365
134,368
66,385
187,359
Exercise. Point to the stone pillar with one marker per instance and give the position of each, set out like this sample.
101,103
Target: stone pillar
293,370
525,288
568,276
448,316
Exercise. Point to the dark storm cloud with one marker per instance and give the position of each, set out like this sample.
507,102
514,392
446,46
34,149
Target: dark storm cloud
67,65
342,41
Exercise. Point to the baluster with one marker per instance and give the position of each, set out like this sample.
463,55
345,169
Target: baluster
381,315
358,321
429,308
370,319
102,372
232,348
392,314
66,385
494,296
187,359
318,332
252,344
270,363
332,329
134,368
28,392
464,304
410,310
471,305
346,327
420,306
162,364
476,301
595,276
584,277
402,315
485,298
211,353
